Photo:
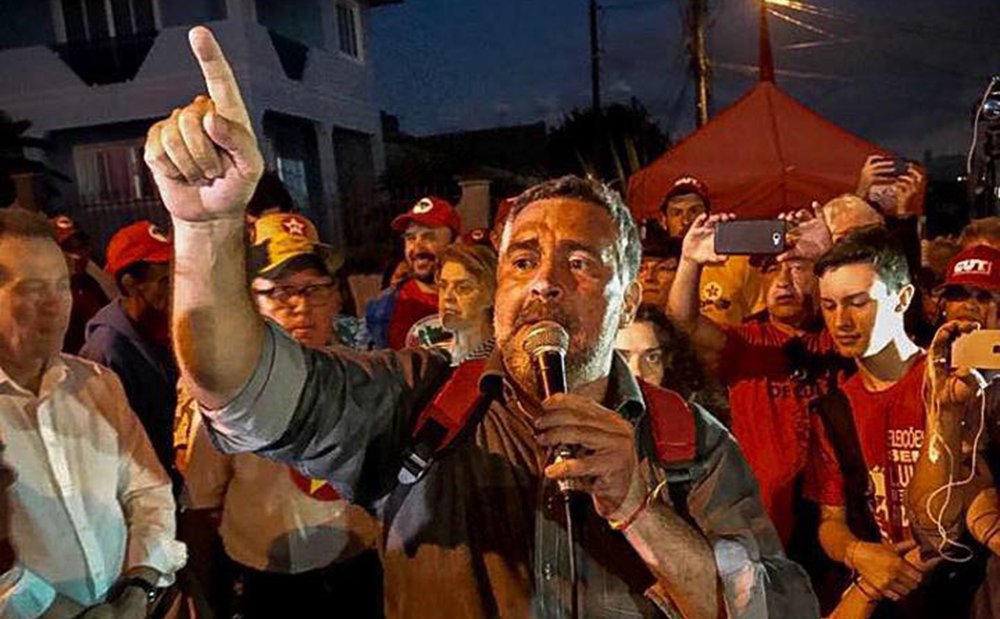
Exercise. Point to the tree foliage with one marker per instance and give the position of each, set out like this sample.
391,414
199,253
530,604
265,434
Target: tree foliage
610,145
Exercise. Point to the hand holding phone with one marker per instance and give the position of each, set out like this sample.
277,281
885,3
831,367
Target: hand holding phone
699,242
877,170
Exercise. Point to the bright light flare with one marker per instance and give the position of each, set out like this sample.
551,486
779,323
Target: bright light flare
812,9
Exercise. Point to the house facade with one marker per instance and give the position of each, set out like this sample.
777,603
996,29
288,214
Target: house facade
92,75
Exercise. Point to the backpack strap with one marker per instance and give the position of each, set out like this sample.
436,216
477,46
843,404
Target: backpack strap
443,420
834,410
674,432
672,424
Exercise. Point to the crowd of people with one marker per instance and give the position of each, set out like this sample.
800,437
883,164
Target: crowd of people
211,427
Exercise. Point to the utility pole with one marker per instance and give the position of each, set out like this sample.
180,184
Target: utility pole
595,60
697,14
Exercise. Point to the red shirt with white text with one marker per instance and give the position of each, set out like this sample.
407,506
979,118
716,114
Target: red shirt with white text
770,411
890,426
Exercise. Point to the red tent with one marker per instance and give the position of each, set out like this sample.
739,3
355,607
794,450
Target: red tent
764,154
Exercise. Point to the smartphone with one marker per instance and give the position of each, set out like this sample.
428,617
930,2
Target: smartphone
750,237
977,349
900,166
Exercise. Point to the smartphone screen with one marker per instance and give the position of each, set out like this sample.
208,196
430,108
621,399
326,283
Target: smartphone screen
750,237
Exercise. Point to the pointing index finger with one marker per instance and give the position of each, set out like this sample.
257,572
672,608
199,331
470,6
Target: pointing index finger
219,78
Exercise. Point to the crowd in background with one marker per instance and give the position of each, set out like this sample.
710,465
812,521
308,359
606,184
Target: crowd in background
827,363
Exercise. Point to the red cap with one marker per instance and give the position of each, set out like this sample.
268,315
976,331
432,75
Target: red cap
431,212
65,228
142,241
975,267
685,185
503,210
477,236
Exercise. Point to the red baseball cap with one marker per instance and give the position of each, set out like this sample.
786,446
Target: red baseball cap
503,210
975,267
477,236
432,212
685,185
142,241
65,228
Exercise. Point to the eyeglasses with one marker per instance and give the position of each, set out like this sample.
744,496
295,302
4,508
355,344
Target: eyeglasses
318,294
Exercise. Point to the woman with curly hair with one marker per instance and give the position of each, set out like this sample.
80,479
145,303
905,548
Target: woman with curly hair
659,353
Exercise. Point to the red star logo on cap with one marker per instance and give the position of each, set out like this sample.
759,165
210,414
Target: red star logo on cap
294,226
424,206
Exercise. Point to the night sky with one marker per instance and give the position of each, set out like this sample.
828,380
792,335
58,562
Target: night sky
903,73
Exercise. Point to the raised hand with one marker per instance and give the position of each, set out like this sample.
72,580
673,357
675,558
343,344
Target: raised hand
909,188
877,170
204,157
808,235
951,388
699,242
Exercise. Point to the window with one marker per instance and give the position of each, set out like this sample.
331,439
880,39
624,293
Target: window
94,20
112,172
349,29
292,173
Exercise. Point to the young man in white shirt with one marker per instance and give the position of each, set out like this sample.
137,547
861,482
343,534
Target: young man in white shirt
91,511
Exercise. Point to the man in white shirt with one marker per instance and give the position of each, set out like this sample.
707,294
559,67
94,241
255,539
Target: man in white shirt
91,511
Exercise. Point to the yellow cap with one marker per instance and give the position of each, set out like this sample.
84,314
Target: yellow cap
280,237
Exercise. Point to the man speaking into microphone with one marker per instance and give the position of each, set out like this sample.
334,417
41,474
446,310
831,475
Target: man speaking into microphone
670,525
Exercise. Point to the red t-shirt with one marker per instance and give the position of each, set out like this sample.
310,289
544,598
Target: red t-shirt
412,304
770,413
890,426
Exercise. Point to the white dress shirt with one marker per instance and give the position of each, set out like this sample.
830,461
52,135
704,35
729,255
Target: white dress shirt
90,501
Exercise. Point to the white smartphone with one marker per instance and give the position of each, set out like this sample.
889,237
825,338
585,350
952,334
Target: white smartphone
977,349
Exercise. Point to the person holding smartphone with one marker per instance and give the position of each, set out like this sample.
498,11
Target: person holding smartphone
759,360
731,289
871,431
893,183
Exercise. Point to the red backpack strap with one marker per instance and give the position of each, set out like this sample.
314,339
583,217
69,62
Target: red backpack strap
441,422
671,420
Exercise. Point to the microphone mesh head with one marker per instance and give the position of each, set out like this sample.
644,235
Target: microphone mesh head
546,335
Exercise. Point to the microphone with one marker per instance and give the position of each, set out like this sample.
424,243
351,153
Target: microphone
546,344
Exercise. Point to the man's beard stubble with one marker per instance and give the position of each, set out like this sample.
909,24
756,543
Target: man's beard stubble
581,359
429,276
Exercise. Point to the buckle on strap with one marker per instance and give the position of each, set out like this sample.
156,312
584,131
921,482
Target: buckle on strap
418,458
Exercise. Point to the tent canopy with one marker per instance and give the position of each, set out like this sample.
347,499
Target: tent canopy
763,155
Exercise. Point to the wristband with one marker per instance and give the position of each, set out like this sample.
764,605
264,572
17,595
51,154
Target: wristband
872,597
621,525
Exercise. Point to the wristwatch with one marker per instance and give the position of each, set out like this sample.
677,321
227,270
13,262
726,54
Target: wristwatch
132,581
